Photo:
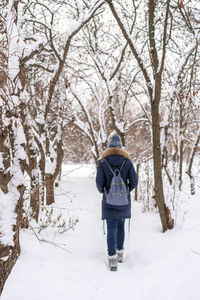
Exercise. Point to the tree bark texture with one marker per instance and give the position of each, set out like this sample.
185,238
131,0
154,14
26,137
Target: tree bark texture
49,183
50,178
165,216
189,170
35,197
6,266
11,252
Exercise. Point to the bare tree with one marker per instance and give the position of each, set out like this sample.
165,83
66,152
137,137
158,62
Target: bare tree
51,128
156,58
100,68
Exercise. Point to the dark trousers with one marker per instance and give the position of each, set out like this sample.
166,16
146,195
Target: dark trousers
115,235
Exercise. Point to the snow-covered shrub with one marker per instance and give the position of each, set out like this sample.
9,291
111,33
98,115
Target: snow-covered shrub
56,218
49,217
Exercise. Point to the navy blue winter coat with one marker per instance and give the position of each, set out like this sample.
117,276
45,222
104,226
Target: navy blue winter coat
115,158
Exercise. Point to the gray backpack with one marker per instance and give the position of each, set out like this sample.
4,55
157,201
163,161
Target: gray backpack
117,194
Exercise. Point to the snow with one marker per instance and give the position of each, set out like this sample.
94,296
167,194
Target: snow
157,265
83,18
50,161
34,46
15,44
49,166
21,139
7,218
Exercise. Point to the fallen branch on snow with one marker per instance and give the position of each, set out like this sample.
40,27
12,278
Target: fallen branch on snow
195,251
50,242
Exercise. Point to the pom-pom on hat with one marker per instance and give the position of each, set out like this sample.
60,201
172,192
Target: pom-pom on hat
115,142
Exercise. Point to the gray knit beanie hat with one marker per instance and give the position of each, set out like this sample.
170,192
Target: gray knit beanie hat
115,142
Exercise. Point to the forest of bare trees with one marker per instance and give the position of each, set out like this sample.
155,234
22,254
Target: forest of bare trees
74,72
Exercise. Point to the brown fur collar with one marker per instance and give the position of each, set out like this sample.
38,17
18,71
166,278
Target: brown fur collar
115,151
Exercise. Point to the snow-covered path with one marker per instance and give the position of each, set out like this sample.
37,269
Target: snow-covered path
157,266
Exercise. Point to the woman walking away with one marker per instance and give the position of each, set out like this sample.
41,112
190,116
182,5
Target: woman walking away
115,178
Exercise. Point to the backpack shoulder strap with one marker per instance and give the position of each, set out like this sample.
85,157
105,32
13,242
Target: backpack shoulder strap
109,166
122,165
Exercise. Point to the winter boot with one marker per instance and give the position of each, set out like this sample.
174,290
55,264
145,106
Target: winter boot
120,256
112,260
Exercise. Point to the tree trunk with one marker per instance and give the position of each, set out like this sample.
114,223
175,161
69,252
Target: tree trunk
51,178
5,175
41,168
49,183
34,179
11,252
189,170
7,265
35,197
165,216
